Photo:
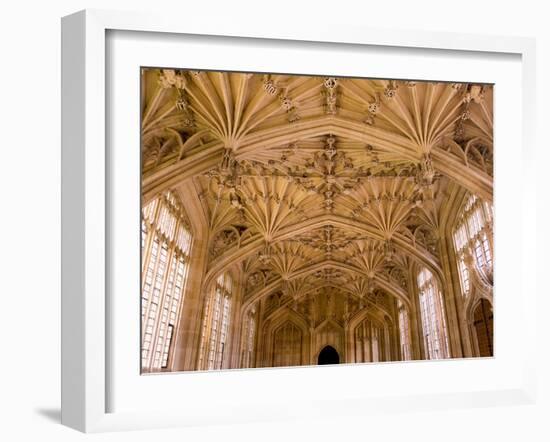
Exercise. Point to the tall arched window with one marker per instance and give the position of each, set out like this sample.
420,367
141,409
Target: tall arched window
473,238
370,342
165,248
215,328
434,325
249,335
287,346
404,334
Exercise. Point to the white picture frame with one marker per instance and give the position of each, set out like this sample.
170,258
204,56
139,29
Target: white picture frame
86,315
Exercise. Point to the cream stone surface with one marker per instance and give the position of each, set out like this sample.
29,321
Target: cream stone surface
322,198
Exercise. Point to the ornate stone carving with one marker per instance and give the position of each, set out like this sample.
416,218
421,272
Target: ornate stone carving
270,87
474,92
329,274
457,87
389,250
426,236
255,280
328,239
271,175
426,171
222,241
182,104
330,165
291,150
293,115
374,106
399,276
290,107
286,103
369,120
330,94
459,132
391,89
227,165
170,78
480,155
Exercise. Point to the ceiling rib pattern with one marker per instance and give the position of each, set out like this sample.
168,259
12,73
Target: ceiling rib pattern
314,183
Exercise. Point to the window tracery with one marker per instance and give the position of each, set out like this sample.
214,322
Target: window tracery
217,314
473,241
404,334
432,312
279,200
165,247
249,336
287,346
370,342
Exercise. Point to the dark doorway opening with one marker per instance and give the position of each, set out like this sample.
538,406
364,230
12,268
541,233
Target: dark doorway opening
483,323
328,356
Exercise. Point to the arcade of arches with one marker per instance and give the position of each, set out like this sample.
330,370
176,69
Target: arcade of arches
301,220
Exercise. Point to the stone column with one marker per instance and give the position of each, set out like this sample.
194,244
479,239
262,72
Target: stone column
395,336
257,336
309,354
188,333
189,325
449,291
233,344
415,319
349,344
367,342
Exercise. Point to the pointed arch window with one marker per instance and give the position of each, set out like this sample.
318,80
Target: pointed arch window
287,345
165,249
215,328
249,336
375,344
432,311
370,342
404,333
472,238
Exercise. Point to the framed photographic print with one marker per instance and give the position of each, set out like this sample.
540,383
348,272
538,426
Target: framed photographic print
268,226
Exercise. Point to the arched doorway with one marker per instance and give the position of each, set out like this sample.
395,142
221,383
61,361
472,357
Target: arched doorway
328,355
483,325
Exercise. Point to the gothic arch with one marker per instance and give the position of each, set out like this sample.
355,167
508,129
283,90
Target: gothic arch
472,307
170,175
386,285
275,322
473,301
248,249
371,305
382,319
322,197
329,332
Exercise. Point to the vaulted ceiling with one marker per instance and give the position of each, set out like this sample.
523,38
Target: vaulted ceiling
311,183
